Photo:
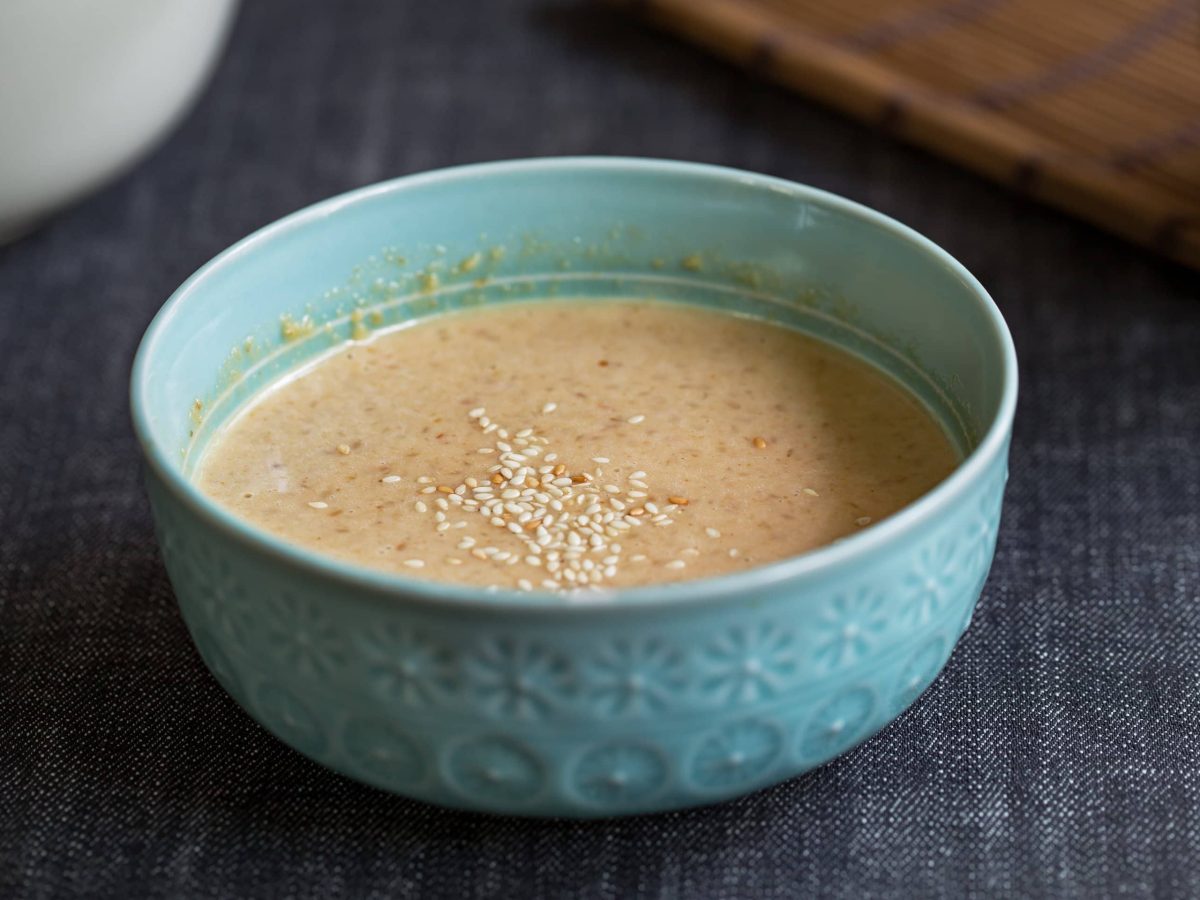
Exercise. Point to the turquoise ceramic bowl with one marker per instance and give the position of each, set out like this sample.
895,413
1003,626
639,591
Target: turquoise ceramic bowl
649,699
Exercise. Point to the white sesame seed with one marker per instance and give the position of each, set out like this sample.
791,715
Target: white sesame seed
428,489
424,479
712,532
550,457
523,584
444,526
636,494
318,504
638,483
676,564
489,429
691,551
610,572
476,412
454,560
599,459
415,563
651,508
441,503
439,516
420,506
487,449
533,560
638,557
811,492
733,551
862,520
390,479
636,420
550,407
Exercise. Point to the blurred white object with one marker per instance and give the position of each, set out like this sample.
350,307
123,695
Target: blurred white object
88,86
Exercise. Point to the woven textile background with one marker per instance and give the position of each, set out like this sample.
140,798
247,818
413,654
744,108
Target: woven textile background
1058,755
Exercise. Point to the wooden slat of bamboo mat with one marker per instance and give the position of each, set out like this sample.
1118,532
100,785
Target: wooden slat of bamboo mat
1090,105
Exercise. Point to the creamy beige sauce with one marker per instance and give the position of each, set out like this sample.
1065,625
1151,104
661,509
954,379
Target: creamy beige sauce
563,445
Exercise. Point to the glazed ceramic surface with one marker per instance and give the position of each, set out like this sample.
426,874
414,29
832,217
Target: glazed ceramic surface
645,700
86,87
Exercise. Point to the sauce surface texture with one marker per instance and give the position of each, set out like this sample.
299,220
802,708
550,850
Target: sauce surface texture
552,446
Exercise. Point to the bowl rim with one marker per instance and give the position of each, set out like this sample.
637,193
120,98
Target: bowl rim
808,565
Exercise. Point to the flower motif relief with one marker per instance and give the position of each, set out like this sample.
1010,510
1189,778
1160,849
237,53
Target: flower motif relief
918,673
223,599
170,546
408,667
848,626
519,679
304,638
837,725
737,754
218,664
381,749
619,772
635,677
290,719
748,663
496,768
928,588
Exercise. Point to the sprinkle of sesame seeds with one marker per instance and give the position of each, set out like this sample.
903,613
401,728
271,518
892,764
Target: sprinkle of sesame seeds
862,520
318,504
415,563
636,420
390,479
760,443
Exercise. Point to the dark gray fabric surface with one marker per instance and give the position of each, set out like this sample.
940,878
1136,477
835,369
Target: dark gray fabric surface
1058,755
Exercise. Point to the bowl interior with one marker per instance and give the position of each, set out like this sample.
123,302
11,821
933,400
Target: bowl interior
564,230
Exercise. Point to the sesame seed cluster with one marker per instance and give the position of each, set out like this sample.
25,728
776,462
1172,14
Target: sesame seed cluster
566,521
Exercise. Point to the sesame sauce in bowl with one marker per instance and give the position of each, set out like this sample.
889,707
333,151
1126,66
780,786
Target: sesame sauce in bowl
558,447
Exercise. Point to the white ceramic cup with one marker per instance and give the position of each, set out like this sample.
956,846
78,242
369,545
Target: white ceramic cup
88,86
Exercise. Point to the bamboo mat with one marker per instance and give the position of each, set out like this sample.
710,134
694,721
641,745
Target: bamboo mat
1092,106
